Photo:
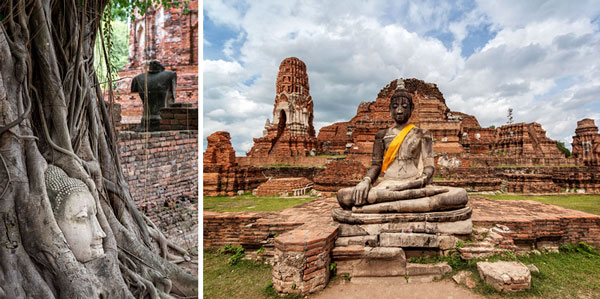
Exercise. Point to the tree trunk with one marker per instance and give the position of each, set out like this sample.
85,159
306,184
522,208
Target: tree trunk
52,112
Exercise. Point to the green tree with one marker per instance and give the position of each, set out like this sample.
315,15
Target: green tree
563,149
52,112
117,53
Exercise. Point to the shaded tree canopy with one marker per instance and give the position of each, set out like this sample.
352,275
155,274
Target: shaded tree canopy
563,149
52,113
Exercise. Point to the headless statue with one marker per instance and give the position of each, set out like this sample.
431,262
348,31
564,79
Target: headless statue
75,212
401,171
161,92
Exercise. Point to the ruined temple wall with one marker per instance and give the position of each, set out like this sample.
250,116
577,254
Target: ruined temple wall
219,180
160,165
219,150
291,172
525,179
334,138
170,36
221,173
291,161
586,143
161,171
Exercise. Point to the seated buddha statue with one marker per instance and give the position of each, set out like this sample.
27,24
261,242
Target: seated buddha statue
75,212
401,170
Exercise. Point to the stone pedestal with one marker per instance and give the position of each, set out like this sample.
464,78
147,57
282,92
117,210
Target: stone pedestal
379,244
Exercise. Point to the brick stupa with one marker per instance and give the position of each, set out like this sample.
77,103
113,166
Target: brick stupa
586,142
291,133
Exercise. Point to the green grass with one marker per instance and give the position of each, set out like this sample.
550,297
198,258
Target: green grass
585,203
246,279
331,156
565,275
440,179
574,272
251,203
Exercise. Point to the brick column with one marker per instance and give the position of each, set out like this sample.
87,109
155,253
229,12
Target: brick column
302,258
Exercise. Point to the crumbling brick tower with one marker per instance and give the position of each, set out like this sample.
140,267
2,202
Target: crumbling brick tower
291,133
586,142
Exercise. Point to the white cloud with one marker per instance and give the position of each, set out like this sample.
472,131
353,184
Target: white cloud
518,14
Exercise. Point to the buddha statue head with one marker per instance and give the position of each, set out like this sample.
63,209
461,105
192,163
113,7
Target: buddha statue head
75,211
401,106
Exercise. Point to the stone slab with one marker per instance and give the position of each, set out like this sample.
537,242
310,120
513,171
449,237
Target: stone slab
368,240
462,227
505,276
357,251
345,216
416,240
374,262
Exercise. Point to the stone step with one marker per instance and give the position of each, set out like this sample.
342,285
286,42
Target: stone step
461,227
417,240
483,244
357,251
344,216
369,240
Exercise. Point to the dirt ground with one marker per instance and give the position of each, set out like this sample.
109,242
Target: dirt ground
393,287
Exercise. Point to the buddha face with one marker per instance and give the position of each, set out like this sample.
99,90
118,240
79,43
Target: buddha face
78,222
401,109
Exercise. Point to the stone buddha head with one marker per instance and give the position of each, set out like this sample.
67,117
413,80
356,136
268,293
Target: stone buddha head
401,106
75,211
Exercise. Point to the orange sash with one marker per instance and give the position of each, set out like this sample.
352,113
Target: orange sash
392,151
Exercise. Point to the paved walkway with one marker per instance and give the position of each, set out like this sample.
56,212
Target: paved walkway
392,288
484,210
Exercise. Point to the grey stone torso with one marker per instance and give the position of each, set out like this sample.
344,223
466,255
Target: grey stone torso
159,90
412,156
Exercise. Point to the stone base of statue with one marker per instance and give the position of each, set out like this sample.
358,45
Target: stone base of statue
378,244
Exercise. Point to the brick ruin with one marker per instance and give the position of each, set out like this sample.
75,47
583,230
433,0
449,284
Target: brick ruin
161,167
221,173
161,170
459,140
169,35
302,241
284,187
586,142
340,173
467,155
291,133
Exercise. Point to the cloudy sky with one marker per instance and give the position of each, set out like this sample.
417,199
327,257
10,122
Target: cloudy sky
540,58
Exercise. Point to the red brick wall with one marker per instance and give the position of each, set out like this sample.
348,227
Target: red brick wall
340,174
181,118
281,186
296,160
564,229
160,166
247,229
